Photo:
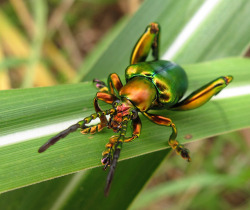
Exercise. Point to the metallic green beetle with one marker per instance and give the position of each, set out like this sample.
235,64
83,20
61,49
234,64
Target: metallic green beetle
150,85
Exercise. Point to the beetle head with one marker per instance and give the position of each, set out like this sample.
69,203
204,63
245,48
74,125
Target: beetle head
124,108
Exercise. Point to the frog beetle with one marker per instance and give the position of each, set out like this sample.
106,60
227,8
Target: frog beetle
150,85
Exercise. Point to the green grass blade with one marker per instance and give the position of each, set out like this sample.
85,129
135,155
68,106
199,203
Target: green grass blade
221,35
39,196
32,108
80,190
123,189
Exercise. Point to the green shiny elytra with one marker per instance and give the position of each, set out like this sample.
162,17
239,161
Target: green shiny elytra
156,84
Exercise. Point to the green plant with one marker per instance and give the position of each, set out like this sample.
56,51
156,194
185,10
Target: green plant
25,109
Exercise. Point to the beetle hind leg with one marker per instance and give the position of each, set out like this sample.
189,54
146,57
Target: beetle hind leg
180,149
149,40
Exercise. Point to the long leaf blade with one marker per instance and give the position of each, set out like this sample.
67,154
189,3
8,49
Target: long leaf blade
22,165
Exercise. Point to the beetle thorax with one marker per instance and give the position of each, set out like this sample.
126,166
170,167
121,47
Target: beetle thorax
140,91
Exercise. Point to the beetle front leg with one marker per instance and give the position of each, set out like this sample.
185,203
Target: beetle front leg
107,154
136,131
108,98
160,120
100,85
114,84
149,40
203,94
136,127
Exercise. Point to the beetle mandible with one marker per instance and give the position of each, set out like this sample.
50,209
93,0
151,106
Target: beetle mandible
150,85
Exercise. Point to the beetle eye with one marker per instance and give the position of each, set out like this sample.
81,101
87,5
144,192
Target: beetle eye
115,103
135,114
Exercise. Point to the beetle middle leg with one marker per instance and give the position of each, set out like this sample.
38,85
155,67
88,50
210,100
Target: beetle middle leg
203,94
149,40
160,120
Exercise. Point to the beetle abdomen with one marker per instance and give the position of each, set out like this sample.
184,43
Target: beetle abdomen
169,79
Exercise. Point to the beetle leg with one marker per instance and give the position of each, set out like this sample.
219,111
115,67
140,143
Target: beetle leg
160,120
148,40
100,85
136,128
93,129
106,97
114,84
203,94
107,155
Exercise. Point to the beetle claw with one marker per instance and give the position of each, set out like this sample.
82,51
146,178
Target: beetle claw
185,154
105,167
106,161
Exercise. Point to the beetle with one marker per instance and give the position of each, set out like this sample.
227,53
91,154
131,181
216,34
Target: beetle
150,85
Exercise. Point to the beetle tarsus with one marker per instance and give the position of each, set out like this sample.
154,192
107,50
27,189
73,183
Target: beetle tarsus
184,152
185,155
106,161
100,85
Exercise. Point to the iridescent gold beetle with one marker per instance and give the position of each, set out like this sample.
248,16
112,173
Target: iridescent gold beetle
151,85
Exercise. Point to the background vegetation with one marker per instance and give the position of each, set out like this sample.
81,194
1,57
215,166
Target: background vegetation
45,43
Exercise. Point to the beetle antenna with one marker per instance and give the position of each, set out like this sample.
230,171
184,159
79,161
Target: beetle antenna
116,153
59,136
73,128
